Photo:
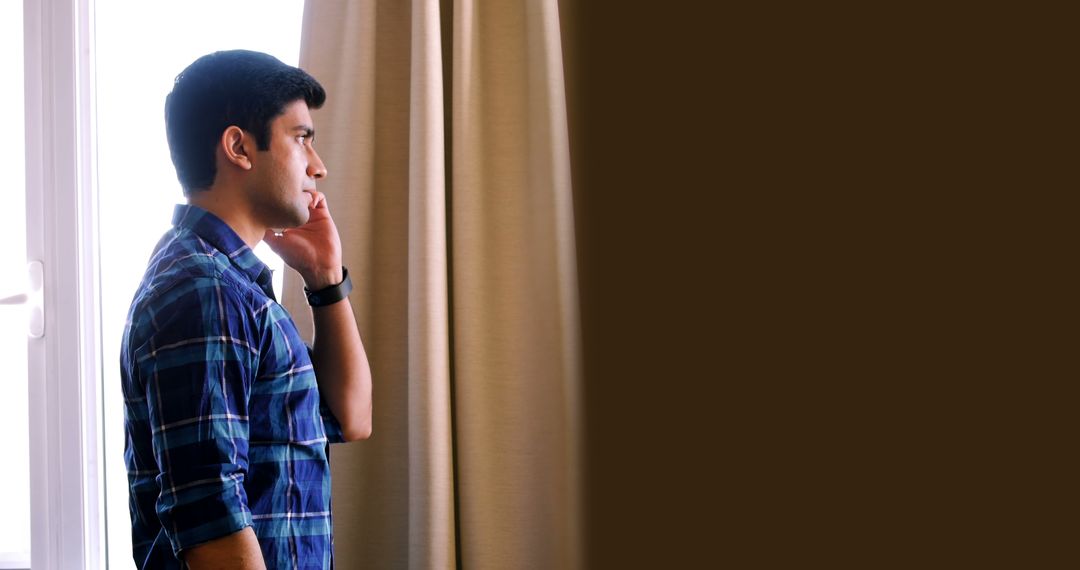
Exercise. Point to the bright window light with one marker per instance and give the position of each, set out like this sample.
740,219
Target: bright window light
14,420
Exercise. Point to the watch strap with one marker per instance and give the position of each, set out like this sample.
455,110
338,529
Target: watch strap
332,294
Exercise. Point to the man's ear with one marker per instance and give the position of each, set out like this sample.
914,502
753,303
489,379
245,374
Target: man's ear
235,144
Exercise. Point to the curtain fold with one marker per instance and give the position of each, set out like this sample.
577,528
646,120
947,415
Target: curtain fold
458,231
431,512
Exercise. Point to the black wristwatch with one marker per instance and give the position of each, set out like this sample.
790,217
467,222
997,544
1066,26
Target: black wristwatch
331,294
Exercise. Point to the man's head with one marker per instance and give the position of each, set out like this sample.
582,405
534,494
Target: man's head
238,88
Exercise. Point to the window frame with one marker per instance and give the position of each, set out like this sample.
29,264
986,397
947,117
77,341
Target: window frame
66,479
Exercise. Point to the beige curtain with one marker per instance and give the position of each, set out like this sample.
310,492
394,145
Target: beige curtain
445,138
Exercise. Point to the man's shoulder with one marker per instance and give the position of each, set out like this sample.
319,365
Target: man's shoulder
182,267
182,253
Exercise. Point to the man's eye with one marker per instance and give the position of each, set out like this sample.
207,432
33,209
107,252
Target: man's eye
302,139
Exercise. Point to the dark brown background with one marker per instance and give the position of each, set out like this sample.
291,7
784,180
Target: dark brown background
815,263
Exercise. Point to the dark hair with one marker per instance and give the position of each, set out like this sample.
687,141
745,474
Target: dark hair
239,87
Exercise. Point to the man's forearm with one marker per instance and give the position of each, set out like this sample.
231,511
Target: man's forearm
342,369
237,551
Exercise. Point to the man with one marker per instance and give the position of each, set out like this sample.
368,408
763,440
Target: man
228,414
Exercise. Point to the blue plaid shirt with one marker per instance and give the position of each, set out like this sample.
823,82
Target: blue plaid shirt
225,427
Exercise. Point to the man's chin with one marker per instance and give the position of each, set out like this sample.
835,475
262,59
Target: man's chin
298,218
284,215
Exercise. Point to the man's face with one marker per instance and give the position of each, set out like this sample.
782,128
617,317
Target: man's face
286,173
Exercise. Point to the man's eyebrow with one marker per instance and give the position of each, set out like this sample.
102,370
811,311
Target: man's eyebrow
308,131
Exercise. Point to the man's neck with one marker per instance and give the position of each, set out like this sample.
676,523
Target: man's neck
234,215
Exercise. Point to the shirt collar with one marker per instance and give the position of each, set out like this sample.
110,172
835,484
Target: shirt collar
218,234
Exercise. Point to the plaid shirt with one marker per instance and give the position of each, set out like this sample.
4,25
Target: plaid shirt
224,423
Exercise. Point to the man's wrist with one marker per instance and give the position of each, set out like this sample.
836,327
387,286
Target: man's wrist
315,281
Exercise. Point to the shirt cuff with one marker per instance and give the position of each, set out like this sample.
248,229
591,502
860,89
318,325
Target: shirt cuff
213,530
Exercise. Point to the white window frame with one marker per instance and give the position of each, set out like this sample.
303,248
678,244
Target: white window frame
67,519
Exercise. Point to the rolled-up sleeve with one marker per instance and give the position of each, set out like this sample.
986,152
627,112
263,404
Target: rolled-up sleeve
198,368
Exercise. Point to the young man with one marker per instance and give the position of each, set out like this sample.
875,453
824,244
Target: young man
228,414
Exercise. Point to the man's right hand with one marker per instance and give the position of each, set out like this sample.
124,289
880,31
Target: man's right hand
237,551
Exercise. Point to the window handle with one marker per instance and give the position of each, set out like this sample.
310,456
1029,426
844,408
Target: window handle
19,299
37,298
34,298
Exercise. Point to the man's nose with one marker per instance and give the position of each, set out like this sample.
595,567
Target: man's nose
316,169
